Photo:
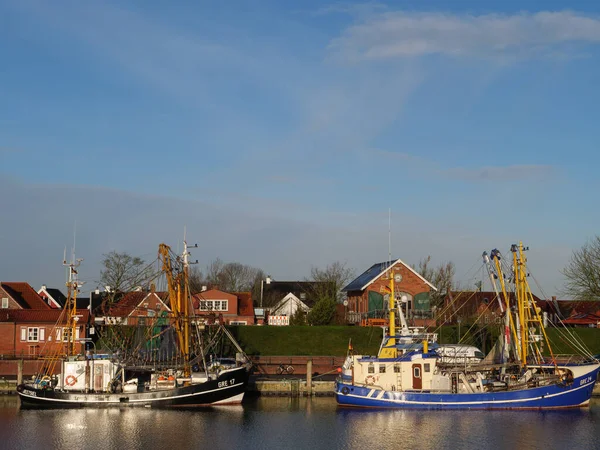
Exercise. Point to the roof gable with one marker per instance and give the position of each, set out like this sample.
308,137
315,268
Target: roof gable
53,295
375,272
289,298
24,295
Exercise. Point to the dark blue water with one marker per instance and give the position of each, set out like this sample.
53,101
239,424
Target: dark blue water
271,423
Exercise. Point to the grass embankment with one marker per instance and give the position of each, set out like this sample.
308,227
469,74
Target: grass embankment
308,341
333,340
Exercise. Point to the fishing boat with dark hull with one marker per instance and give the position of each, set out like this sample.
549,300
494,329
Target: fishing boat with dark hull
228,388
169,367
520,372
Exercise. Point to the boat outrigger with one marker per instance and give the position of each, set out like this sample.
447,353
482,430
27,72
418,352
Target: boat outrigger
412,375
183,380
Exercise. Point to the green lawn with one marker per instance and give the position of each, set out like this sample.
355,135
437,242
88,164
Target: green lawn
304,340
333,340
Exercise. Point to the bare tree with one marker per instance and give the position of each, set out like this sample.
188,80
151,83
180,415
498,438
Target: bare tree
233,276
196,280
331,279
213,272
583,272
123,272
442,277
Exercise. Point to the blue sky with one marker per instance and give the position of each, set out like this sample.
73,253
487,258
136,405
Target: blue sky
281,133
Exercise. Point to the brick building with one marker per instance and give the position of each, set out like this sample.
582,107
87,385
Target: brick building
35,332
234,308
20,295
133,308
368,295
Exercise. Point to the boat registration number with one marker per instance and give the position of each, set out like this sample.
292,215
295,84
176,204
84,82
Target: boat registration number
585,381
226,383
28,392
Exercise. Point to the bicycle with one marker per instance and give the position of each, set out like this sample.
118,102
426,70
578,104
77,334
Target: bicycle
282,369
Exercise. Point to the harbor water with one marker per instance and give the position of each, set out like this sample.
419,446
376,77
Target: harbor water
298,423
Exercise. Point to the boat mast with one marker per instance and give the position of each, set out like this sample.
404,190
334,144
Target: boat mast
509,324
177,285
71,305
529,312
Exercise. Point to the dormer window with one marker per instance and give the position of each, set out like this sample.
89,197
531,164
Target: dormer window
4,302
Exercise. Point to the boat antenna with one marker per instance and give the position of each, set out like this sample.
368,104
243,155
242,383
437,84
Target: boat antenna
390,236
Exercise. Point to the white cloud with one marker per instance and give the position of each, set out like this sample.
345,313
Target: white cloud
394,35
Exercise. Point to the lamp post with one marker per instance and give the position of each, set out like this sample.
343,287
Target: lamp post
268,280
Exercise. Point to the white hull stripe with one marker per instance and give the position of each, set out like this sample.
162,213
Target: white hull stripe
484,402
118,402
235,399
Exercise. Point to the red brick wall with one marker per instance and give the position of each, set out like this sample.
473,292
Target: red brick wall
48,346
7,338
153,303
213,294
11,303
320,364
411,284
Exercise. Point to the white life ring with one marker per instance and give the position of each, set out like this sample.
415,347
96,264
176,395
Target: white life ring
70,380
370,379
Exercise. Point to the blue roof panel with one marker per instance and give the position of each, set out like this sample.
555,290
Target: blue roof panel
367,276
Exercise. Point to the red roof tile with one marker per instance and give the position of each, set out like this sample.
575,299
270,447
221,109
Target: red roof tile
24,295
129,301
126,304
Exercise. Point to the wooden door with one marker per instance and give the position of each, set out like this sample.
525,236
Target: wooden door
417,376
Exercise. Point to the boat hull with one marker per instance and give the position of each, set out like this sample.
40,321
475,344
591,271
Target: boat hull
575,394
228,388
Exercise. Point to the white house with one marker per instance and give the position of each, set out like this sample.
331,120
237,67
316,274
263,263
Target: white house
288,306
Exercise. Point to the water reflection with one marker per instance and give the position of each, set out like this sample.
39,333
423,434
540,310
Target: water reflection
294,423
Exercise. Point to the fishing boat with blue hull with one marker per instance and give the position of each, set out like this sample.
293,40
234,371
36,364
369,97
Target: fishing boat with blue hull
413,375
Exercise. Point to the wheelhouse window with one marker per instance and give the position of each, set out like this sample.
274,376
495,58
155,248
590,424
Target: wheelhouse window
397,368
371,368
427,367
382,368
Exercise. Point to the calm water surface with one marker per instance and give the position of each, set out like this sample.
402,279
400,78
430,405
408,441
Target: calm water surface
296,423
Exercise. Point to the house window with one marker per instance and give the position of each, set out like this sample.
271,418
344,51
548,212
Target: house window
213,305
151,313
32,334
4,302
66,334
